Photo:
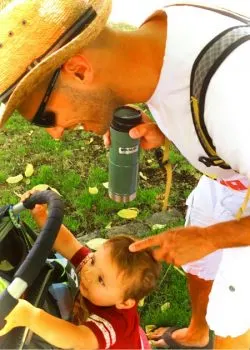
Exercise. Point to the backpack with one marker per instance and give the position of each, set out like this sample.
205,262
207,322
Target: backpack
207,62
204,67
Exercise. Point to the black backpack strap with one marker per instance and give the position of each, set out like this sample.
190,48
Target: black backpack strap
204,67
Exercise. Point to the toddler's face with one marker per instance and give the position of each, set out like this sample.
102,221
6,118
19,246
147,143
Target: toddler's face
100,281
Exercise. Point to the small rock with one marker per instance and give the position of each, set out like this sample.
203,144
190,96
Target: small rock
164,217
134,229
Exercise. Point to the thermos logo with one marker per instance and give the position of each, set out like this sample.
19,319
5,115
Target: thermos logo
128,150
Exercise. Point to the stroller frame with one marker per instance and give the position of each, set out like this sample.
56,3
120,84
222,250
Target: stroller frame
25,270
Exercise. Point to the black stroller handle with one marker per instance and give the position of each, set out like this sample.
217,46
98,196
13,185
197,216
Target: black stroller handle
37,256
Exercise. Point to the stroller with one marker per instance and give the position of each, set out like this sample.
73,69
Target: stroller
27,265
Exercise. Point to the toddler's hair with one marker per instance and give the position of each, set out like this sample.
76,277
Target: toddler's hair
141,271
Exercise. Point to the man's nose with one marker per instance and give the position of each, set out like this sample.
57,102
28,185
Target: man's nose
56,132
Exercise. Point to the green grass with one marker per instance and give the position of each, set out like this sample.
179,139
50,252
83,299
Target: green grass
72,165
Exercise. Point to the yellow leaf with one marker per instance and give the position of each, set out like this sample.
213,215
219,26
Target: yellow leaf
27,181
130,213
40,187
29,170
143,176
108,225
95,243
165,307
14,179
157,227
150,328
17,194
105,184
88,142
44,187
141,302
93,190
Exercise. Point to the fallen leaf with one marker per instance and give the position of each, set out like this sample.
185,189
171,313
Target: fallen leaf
44,187
40,187
130,213
95,243
14,179
27,181
157,227
149,328
79,127
17,194
29,170
93,190
143,176
141,302
108,226
88,142
149,161
165,307
105,184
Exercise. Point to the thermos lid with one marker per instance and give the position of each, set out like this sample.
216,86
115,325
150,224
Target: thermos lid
125,118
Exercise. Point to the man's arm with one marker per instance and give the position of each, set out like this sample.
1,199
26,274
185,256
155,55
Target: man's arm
66,244
54,330
182,245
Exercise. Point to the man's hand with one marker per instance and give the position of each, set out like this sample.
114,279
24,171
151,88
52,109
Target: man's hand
148,133
21,316
178,246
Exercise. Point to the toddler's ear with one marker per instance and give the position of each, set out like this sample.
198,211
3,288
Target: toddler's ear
127,304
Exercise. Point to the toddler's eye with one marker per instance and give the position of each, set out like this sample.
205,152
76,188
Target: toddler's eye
92,260
100,280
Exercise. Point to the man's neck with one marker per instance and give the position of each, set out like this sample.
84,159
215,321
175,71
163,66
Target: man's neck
134,59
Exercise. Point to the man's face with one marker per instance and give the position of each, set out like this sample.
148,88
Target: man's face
73,104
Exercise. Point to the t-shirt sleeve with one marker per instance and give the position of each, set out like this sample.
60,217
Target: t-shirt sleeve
227,110
78,257
114,328
104,329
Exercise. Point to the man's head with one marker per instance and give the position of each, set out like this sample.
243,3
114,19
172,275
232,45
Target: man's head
58,78
37,37
115,276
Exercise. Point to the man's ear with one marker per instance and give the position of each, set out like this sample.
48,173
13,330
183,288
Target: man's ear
127,304
79,67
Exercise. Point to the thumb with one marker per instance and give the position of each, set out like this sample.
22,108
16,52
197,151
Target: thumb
106,139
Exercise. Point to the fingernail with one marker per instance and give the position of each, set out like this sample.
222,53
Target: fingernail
134,133
131,248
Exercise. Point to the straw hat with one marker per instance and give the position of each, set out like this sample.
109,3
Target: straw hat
36,38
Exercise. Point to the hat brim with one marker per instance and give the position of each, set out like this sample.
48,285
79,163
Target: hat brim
53,61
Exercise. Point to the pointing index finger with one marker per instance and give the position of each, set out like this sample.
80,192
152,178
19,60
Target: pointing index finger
143,244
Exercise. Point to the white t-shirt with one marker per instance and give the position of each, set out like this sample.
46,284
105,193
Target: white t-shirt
227,104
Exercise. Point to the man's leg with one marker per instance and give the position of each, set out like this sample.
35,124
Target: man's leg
197,333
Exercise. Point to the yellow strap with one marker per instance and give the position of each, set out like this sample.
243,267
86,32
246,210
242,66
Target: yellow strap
244,205
168,168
